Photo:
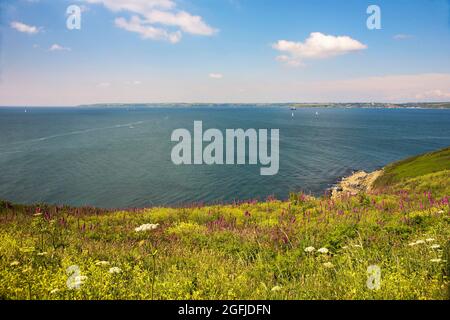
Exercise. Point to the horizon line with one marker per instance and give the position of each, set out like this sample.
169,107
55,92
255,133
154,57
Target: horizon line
219,103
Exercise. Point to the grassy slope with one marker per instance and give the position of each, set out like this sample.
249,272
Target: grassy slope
245,251
402,171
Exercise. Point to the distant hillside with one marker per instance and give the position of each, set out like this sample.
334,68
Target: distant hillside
431,170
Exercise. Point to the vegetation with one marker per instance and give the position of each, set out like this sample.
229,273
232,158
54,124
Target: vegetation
403,173
304,248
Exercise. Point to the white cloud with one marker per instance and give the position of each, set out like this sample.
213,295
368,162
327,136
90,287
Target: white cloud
402,36
182,19
316,46
386,88
57,47
137,25
435,94
152,18
22,27
216,75
137,6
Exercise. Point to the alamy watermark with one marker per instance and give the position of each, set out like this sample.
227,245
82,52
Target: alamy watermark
73,21
374,20
231,151
374,277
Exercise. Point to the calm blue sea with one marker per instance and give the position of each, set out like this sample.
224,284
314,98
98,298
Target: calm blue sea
120,157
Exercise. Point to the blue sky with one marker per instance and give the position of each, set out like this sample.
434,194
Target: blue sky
223,51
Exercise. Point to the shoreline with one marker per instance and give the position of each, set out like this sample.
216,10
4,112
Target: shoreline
358,181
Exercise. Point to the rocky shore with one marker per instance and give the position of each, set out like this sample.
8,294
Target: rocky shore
359,181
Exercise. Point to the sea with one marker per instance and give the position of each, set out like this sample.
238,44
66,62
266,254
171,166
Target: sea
120,156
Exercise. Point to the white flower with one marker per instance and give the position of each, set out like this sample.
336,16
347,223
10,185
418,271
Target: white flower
328,265
115,270
435,246
420,242
276,288
310,249
430,240
412,244
147,227
323,250
441,211
102,263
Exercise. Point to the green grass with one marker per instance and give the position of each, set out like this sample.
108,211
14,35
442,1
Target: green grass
251,250
414,167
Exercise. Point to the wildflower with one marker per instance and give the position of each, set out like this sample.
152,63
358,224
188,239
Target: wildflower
54,291
14,263
412,244
441,211
310,249
323,250
435,246
115,270
276,288
328,265
102,263
146,227
429,240
420,242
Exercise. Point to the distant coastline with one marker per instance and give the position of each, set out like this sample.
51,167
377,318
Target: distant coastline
361,105
293,105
